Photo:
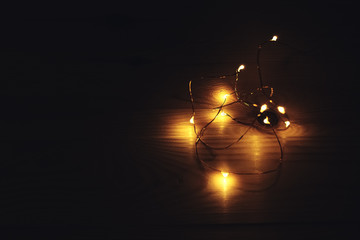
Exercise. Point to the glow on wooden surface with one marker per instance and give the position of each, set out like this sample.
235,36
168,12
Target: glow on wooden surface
225,96
225,188
178,129
222,118
221,95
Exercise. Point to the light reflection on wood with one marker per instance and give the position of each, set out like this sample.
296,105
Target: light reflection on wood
223,188
164,149
173,147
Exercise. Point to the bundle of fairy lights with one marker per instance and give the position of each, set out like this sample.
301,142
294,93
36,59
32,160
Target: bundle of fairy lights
269,115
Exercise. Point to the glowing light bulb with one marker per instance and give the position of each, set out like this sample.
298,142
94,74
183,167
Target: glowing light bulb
287,123
266,120
225,174
222,113
241,67
274,38
223,97
192,120
263,108
281,109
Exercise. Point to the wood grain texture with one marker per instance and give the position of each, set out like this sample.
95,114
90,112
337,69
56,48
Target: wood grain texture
311,183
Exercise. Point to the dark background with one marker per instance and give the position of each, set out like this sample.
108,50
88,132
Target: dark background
75,76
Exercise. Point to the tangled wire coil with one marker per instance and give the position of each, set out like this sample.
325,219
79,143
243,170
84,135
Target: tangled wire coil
270,115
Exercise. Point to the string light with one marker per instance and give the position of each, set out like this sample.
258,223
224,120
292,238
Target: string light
274,38
287,123
223,113
241,67
192,120
225,174
263,108
266,120
269,115
281,109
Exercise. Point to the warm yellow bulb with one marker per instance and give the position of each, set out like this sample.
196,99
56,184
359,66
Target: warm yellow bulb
222,113
287,123
263,108
266,120
241,67
192,120
281,109
225,174
274,38
222,95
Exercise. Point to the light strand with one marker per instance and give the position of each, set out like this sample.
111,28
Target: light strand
267,116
